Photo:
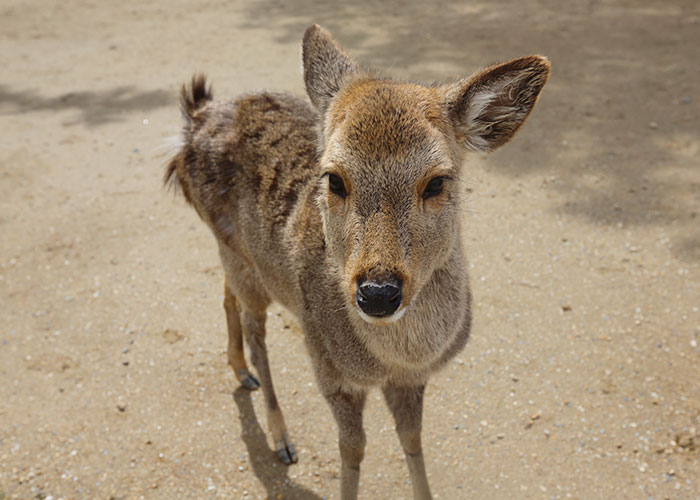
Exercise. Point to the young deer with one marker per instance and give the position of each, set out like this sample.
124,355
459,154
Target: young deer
346,210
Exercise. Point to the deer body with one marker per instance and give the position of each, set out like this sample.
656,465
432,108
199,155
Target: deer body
346,211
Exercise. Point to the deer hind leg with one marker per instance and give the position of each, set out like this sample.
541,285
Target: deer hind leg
347,410
236,353
406,404
253,323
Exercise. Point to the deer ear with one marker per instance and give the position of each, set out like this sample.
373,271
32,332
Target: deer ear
488,108
326,66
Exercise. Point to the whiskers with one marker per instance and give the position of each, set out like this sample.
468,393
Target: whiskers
343,307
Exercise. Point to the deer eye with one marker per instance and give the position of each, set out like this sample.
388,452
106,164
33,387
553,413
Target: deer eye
434,187
336,185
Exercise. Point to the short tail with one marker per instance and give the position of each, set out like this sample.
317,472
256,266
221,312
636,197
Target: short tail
192,98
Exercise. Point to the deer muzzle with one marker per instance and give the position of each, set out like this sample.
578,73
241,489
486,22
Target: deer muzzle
379,297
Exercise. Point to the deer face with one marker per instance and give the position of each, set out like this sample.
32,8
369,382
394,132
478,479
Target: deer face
388,194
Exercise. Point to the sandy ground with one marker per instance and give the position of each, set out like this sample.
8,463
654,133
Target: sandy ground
582,378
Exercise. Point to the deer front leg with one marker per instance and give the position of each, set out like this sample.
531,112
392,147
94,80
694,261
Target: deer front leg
406,404
347,410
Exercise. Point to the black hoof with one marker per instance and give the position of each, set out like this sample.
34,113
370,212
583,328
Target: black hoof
250,382
287,454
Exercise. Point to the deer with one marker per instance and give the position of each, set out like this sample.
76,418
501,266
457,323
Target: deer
346,209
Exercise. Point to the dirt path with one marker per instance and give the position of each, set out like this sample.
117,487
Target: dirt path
582,379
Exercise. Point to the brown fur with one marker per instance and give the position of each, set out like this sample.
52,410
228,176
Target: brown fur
255,170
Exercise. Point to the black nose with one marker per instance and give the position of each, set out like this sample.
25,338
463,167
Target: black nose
379,298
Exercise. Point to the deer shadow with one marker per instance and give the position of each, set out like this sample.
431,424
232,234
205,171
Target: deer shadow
263,460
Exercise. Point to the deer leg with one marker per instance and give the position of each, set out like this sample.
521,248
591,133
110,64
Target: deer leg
406,404
236,355
254,330
347,410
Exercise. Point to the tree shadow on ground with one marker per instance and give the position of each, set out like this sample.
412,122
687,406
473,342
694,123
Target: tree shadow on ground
263,460
95,107
615,132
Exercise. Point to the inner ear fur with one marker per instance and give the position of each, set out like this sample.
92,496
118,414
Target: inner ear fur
487,108
326,66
